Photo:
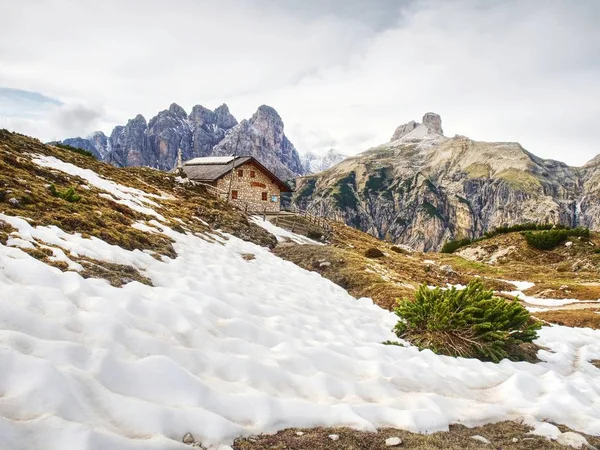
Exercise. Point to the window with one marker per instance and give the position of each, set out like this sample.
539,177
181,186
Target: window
274,198
240,173
252,174
264,196
233,195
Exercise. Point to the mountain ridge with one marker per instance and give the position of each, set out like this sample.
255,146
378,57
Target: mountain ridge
422,188
204,132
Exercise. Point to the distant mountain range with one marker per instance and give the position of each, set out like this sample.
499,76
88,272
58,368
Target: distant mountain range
422,188
317,162
203,133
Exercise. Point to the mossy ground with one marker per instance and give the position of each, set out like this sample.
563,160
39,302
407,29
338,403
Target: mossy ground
459,437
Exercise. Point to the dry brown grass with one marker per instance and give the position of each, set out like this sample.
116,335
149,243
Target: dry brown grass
186,208
500,435
570,267
93,215
5,230
385,279
398,273
582,318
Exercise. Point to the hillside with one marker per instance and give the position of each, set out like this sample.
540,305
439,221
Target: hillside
422,188
563,279
136,309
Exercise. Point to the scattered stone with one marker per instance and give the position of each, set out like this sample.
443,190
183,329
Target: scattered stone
480,439
324,264
14,202
334,437
564,287
574,440
393,442
299,433
568,244
248,256
447,269
188,439
515,440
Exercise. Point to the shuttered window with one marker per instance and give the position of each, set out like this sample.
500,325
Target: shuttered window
240,173
233,195
252,174
264,196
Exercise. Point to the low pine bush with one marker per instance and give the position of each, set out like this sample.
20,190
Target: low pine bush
69,195
452,246
74,149
547,240
470,323
314,234
374,253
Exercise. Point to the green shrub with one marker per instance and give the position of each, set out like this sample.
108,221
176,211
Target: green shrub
471,323
314,234
530,226
452,246
74,149
69,195
548,239
374,253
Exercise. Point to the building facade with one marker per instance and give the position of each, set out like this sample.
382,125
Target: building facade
242,180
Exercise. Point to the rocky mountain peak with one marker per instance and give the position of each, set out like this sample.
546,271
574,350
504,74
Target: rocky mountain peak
403,130
204,132
266,116
224,118
201,115
263,138
318,162
433,122
177,110
137,120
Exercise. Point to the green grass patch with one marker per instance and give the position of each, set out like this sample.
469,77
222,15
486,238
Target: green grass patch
69,194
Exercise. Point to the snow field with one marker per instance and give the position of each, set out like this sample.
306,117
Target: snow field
223,347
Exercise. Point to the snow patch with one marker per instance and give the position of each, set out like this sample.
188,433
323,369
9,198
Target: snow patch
281,234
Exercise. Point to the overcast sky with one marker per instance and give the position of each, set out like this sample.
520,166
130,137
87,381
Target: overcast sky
341,73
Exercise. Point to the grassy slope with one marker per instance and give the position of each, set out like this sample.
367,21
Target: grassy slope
27,183
566,272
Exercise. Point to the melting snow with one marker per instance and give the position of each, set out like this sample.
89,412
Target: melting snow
524,285
281,234
135,199
222,347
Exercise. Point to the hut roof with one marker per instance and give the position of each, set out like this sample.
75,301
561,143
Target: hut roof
211,168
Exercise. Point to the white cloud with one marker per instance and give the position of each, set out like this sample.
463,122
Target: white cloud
342,74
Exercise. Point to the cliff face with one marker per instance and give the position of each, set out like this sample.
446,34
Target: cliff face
422,188
203,133
262,137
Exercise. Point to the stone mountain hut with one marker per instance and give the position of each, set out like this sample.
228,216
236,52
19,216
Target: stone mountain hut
242,179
